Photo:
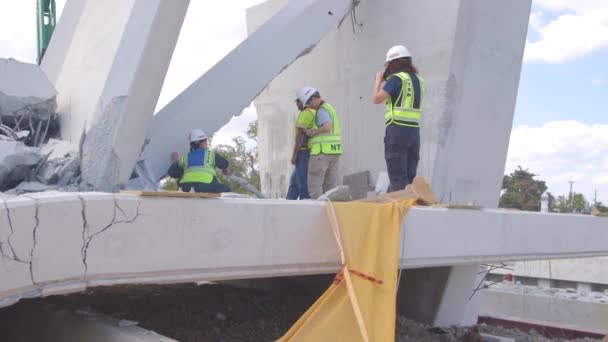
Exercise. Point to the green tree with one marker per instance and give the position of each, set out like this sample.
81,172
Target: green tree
552,202
601,207
579,203
522,191
571,204
243,160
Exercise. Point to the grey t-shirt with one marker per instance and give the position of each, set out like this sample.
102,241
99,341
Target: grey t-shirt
322,117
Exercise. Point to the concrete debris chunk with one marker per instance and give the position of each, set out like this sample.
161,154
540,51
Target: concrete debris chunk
27,103
18,166
58,149
25,90
358,183
29,187
338,194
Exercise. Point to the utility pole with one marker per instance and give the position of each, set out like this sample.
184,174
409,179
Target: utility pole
571,197
595,198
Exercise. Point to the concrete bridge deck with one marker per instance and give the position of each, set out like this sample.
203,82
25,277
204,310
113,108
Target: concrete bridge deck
58,243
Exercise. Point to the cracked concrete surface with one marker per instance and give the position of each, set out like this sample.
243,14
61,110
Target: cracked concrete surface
58,243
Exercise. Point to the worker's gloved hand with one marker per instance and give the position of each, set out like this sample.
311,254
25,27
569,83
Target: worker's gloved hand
174,157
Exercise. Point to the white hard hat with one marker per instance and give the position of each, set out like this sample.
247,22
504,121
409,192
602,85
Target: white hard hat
197,135
305,93
398,51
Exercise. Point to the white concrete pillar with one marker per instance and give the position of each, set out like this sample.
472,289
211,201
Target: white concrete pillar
109,78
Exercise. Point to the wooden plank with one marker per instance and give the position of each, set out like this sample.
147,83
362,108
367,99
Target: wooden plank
180,194
419,189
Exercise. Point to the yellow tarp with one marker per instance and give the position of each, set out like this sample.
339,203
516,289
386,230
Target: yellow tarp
369,237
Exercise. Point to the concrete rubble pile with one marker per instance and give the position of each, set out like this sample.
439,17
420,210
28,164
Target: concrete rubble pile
31,160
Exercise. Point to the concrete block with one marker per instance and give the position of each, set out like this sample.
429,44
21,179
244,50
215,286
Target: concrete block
207,104
358,184
25,90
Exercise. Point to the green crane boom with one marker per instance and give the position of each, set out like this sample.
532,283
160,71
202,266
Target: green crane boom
46,20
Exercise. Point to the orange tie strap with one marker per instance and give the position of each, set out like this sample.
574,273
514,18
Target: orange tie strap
340,276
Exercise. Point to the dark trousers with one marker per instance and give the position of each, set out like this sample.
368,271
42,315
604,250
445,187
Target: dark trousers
298,182
213,187
402,153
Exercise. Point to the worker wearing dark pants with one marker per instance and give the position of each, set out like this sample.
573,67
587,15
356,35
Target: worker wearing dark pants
402,89
196,171
298,183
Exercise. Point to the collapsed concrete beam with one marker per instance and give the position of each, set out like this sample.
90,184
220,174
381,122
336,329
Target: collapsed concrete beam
119,239
226,89
121,52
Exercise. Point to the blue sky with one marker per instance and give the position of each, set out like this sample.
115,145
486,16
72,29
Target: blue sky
560,128
569,91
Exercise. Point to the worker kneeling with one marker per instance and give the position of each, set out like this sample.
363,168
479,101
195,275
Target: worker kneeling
197,170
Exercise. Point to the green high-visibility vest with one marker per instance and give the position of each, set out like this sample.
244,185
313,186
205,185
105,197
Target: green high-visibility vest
406,111
199,173
327,143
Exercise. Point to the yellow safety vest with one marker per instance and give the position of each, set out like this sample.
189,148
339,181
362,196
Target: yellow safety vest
313,112
406,111
327,143
199,173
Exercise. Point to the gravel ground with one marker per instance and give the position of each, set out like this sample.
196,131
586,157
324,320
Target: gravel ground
191,313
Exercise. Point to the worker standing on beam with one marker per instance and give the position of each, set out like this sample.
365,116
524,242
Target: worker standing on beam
325,143
197,170
402,89
298,183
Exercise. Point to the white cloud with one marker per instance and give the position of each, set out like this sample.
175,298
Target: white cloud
580,29
560,151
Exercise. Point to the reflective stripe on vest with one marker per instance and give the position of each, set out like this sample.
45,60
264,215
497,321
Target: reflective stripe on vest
327,143
199,174
407,110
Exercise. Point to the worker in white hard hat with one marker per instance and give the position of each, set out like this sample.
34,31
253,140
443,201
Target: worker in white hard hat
197,170
325,143
298,182
402,89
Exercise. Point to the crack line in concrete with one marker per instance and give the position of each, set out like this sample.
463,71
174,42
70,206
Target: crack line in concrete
89,239
8,239
34,241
